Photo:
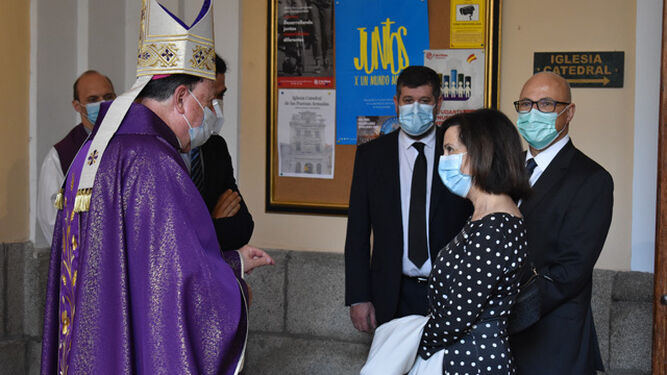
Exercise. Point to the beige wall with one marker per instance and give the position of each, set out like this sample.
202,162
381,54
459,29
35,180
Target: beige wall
283,231
603,123
602,127
14,75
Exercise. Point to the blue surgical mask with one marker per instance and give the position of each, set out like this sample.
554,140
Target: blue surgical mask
200,134
93,109
539,128
415,118
449,169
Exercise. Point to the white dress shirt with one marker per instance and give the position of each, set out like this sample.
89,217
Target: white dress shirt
406,161
544,158
51,178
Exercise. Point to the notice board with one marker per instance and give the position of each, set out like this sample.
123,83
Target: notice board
309,169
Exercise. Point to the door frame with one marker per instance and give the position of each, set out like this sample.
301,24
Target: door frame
659,361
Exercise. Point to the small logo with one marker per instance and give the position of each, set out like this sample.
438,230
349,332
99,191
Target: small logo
92,157
471,58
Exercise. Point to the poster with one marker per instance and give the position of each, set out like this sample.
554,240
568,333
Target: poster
462,79
306,133
305,38
371,127
382,37
467,22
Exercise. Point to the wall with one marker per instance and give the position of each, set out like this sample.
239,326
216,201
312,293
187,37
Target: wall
647,95
602,126
56,68
602,114
14,122
282,231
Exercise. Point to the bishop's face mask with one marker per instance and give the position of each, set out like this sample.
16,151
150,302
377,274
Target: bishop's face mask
416,118
449,169
539,128
200,134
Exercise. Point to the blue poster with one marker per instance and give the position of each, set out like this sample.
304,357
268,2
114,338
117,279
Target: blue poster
375,40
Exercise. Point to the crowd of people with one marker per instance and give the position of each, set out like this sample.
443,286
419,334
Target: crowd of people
150,232
461,219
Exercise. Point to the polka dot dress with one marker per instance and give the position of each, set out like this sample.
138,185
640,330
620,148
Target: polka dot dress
472,286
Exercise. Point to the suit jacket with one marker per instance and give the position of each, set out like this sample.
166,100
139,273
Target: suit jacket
232,232
375,206
567,219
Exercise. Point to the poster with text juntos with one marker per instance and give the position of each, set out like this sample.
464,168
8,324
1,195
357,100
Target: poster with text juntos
461,73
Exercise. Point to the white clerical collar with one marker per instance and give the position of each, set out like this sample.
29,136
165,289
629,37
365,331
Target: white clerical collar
405,141
544,158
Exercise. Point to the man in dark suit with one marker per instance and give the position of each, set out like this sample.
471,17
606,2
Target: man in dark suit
567,219
214,177
398,197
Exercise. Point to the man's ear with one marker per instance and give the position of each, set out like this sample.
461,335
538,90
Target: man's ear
396,103
570,112
438,104
76,105
178,98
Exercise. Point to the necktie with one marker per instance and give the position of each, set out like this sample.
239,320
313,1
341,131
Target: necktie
196,172
417,247
530,167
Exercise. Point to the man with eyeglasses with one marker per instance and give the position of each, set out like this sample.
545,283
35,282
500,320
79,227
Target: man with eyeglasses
212,172
567,220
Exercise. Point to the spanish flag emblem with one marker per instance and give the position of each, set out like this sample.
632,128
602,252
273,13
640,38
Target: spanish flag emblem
471,58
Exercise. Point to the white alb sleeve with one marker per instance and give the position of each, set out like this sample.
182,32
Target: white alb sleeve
51,179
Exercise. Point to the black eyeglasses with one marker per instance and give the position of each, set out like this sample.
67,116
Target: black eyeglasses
543,105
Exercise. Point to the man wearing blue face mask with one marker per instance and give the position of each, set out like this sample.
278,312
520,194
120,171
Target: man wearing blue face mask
90,89
397,196
567,218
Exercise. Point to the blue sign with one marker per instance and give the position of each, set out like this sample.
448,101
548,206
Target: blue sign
375,40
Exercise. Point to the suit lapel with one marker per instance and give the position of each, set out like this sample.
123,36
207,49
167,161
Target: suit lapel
554,173
392,180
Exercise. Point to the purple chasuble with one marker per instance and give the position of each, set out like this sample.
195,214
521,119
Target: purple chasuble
69,145
137,284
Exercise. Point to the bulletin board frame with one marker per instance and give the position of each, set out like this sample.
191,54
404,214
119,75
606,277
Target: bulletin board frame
289,194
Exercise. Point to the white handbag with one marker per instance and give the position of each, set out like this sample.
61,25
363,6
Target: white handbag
395,345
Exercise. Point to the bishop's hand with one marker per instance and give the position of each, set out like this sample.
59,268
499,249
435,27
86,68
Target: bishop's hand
254,257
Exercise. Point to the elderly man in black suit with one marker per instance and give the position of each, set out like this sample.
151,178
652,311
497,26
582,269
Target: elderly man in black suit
397,196
567,219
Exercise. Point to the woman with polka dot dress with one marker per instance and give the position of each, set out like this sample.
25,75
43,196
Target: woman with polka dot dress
475,278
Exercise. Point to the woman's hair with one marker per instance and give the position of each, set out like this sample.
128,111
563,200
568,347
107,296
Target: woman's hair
494,150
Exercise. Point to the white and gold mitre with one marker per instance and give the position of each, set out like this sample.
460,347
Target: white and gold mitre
167,46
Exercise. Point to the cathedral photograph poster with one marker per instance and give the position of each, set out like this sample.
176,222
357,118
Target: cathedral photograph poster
306,133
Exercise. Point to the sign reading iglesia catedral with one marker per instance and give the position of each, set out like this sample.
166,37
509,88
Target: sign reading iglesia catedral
583,69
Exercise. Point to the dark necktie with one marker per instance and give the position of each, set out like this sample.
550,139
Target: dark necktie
530,167
196,172
417,247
